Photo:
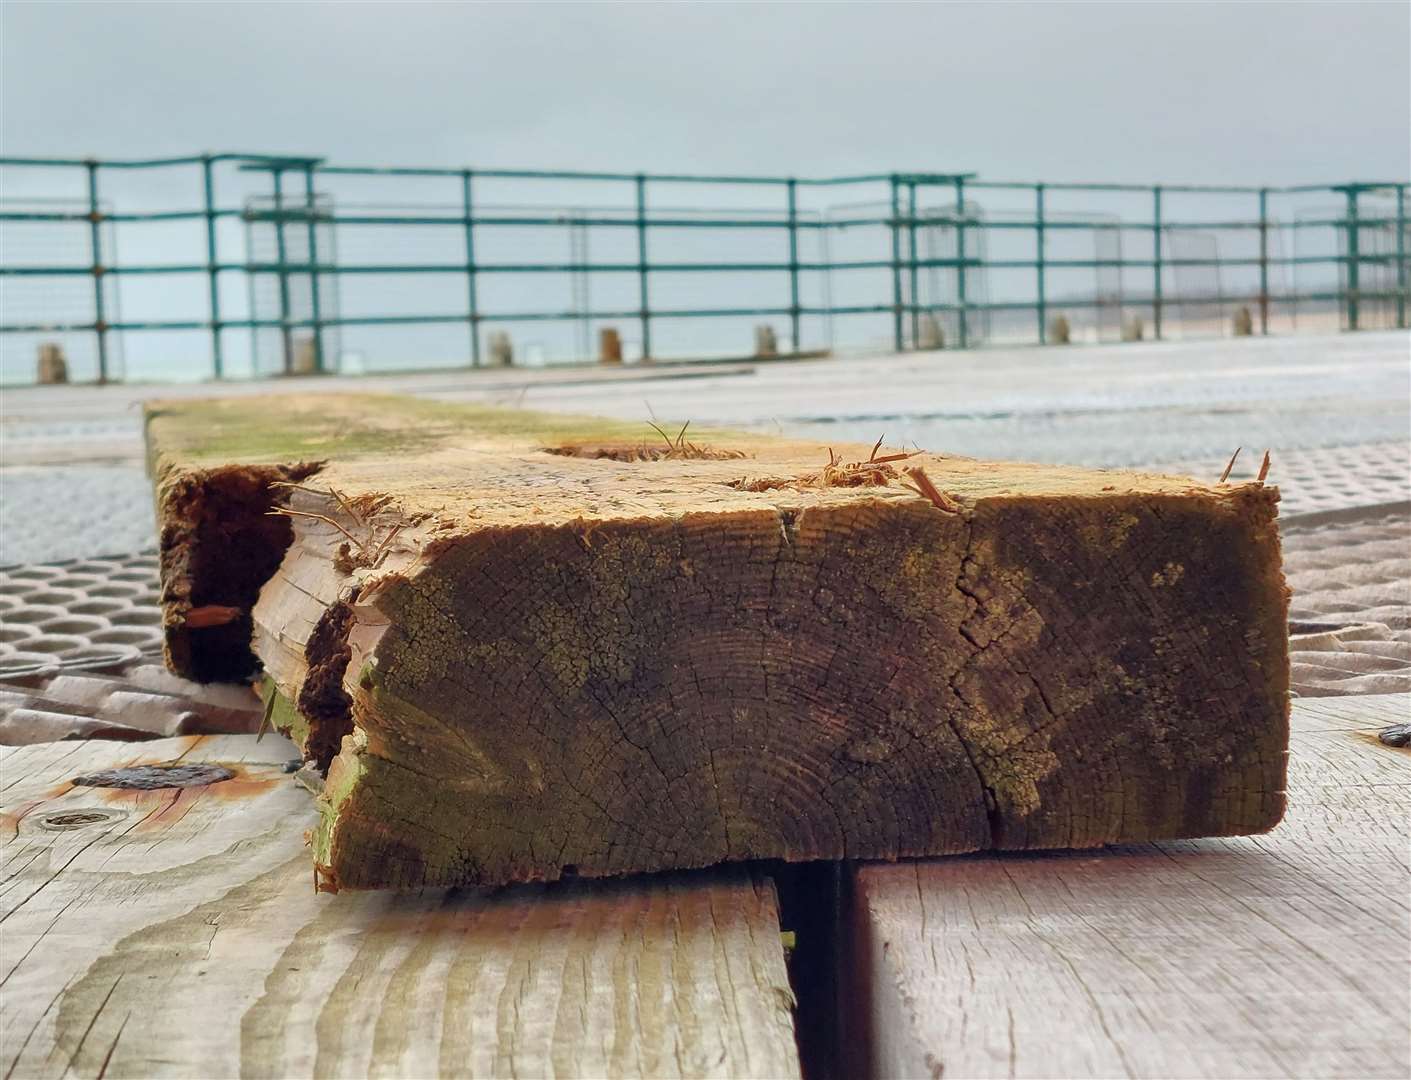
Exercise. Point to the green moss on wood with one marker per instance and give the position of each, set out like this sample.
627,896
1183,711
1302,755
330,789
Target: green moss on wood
282,715
342,426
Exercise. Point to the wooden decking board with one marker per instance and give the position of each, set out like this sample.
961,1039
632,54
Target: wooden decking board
1287,954
184,938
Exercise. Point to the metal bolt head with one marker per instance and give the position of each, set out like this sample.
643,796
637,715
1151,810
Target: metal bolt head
153,777
1398,735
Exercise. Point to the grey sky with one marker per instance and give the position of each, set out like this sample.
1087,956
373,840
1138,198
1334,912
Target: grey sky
1259,93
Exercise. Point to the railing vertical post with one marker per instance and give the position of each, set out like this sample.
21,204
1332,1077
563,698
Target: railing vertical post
1264,261
1156,297
911,252
646,315
964,328
1039,261
473,302
315,305
825,247
95,241
1401,256
794,264
212,261
898,341
285,336
1354,269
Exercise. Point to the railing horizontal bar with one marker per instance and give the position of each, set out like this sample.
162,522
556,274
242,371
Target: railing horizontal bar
503,174
44,215
572,174
1197,189
670,268
86,218
172,215
1147,264
1360,185
1145,189
122,271
68,328
143,163
560,220
578,174
567,268
46,271
684,178
838,181
1144,300
298,216
667,268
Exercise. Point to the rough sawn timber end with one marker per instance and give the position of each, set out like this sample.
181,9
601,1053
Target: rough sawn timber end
528,644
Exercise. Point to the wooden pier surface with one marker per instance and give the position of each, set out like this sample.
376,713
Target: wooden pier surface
176,932
1287,954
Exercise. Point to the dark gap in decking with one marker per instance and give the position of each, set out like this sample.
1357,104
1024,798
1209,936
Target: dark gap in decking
810,895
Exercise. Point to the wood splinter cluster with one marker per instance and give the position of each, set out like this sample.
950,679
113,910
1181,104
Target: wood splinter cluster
522,645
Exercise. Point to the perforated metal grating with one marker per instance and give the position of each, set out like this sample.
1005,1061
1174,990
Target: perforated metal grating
1315,481
88,613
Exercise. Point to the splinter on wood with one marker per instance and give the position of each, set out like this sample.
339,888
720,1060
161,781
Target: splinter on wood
925,487
319,517
1230,465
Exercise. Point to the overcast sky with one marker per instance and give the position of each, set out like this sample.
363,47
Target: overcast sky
1255,93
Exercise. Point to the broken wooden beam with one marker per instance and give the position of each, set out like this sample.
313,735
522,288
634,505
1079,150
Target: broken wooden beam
175,931
1285,955
528,645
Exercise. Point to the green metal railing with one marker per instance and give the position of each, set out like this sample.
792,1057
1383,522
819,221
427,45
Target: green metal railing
895,233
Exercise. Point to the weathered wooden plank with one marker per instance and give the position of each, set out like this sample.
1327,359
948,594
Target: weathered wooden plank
528,643
179,934
1281,955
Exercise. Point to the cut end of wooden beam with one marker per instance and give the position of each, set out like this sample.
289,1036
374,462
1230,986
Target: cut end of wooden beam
523,648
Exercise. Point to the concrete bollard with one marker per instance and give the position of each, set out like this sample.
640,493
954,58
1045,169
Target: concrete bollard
53,367
500,348
305,359
929,334
609,346
1133,329
765,343
1244,323
1059,332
